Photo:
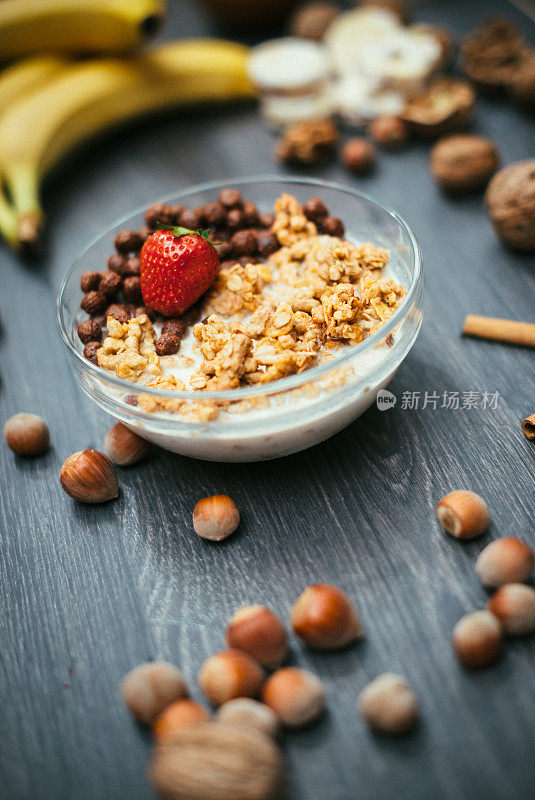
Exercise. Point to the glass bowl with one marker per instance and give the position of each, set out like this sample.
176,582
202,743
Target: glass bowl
293,413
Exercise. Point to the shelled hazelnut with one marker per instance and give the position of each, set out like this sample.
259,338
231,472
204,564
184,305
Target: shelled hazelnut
312,20
259,632
177,715
389,704
389,132
325,618
216,761
463,514
505,560
249,713
477,639
27,434
463,163
148,688
89,476
230,674
216,517
125,447
514,605
358,155
295,695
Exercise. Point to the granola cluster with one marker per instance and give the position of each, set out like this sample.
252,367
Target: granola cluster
129,348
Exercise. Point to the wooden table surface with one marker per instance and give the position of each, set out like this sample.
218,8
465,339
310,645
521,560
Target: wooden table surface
88,592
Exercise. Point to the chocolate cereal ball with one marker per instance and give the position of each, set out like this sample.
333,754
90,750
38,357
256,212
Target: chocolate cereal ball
230,198
89,331
243,243
333,226
167,344
89,281
132,289
90,351
315,210
267,243
94,302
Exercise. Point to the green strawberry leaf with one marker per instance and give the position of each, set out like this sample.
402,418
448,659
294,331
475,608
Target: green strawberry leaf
178,231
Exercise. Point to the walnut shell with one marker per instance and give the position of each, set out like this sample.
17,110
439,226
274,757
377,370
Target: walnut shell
463,163
447,105
491,55
310,142
510,201
217,761
523,84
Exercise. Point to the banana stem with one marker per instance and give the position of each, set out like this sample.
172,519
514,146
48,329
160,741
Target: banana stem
23,185
8,222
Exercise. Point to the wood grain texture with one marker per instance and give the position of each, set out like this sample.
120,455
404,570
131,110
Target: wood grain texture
88,592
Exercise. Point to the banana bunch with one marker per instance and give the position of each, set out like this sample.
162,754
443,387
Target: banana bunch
50,104
76,26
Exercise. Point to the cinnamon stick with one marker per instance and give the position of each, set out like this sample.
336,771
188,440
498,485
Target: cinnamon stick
528,427
500,330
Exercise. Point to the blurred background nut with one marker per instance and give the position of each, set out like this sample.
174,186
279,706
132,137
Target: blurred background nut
358,155
477,639
260,633
230,674
505,560
463,163
389,132
216,761
325,618
445,106
89,476
312,20
177,715
523,84
27,434
125,447
514,605
295,695
309,142
463,514
148,688
389,704
249,713
215,517
510,202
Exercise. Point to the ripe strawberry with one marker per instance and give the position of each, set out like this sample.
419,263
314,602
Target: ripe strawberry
177,267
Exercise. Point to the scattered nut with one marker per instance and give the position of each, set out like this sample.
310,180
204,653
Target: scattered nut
389,132
358,155
528,427
148,688
324,617
462,163
176,715
492,54
230,674
514,605
259,632
295,695
510,202
249,713
312,20
447,105
505,560
477,639
389,704
27,434
215,761
89,476
125,447
216,517
463,514
308,142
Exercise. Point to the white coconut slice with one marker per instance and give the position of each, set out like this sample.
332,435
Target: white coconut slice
280,111
352,34
288,66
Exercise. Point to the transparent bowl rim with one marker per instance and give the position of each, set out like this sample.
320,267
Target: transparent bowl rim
283,384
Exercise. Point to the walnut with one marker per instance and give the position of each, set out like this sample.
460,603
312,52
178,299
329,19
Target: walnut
447,105
491,55
464,164
510,201
309,142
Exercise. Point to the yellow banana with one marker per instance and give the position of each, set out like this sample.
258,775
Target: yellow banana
75,26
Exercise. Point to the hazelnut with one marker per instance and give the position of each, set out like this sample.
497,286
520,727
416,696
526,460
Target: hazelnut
230,674
89,476
315,210
94,302
332,226
90,352
230,198
295,695
90,281
463,514
389,704
132,289
216,761
324,617
462,164
312,20
358,155
505,560
176,715
89,331
148,688
27,434
125,447
514,605
477,639
510,202
128,242
249,713
389,132
215,517
167,344
445,106
259,632
110,283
